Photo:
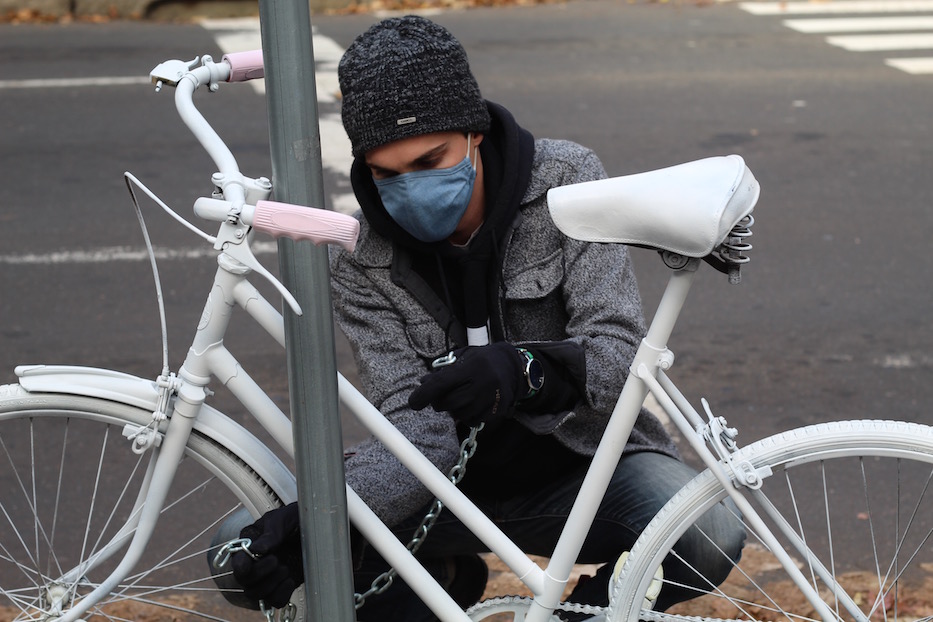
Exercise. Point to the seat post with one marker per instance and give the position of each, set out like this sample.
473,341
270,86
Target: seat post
672,302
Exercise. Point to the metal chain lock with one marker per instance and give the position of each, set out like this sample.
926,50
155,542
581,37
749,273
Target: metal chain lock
381,583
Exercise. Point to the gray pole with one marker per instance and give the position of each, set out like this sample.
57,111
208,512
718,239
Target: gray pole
295,143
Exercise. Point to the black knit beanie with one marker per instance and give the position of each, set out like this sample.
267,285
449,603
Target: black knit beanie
407,76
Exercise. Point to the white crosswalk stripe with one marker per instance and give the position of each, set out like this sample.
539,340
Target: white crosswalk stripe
805,7
860,24
912,65
890,26
881,43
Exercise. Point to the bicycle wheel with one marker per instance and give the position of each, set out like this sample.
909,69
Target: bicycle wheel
68,483
857,494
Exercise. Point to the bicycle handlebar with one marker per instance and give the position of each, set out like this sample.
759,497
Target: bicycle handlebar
287,220
245,65
277,219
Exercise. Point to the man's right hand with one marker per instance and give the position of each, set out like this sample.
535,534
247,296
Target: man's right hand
277,571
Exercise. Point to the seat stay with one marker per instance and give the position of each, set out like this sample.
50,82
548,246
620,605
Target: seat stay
687,209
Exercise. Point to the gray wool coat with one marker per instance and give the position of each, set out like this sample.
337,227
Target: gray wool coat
555,288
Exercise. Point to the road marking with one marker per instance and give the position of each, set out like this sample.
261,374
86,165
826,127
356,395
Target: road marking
860,24
916,66
112,254
904,361
889,33
51,83
231,35
883,43
842,6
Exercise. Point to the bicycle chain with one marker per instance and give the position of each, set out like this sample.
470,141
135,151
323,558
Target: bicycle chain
381,583
660,616
524,602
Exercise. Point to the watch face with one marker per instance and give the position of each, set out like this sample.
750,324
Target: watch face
535,374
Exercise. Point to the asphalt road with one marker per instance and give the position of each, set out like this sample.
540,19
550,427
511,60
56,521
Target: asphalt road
831,319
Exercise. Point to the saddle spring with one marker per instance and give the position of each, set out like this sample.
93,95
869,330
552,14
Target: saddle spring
734,247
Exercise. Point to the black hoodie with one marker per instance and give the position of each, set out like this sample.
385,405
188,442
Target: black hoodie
457,284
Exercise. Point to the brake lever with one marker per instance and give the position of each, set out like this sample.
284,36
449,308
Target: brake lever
231,240
171,72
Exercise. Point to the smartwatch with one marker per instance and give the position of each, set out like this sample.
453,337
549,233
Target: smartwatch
534,373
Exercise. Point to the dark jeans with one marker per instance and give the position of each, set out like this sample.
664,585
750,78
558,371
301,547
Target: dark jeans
641,484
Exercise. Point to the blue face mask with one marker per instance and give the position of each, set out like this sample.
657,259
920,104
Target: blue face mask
429,204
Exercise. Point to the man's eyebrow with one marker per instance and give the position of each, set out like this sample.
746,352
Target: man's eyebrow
431,154
422,160
378,169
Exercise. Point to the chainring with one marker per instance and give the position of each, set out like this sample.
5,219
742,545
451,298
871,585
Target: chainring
517,607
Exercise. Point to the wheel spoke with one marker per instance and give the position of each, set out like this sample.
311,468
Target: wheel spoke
871,530
800,530
15,471
55,507
829,537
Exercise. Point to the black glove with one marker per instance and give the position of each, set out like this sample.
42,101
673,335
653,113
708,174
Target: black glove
484,383
276,540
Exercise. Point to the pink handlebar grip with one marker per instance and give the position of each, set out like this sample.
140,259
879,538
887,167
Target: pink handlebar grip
306,223
245,65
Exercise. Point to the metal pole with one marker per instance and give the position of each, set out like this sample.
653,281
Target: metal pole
312,370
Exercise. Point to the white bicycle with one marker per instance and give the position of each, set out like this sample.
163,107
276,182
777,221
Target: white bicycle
116,490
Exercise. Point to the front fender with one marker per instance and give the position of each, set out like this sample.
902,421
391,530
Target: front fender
144,394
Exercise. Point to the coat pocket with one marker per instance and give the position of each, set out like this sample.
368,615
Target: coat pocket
427,339
536,280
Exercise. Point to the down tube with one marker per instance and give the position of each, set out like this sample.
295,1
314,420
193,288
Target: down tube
398,556
435,481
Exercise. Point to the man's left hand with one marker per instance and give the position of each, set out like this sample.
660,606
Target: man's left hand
485,382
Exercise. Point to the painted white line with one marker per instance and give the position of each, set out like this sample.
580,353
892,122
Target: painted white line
877,43
123,254
916,66
904,361
842,6
861,24
805,7
232,35
49,83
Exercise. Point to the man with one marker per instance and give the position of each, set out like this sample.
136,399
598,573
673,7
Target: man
458,253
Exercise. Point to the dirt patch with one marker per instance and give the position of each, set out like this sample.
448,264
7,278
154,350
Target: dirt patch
915,601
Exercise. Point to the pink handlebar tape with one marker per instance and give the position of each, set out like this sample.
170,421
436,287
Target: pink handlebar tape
306,223
245,65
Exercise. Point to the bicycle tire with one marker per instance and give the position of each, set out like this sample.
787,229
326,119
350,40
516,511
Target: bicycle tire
844,524
69,481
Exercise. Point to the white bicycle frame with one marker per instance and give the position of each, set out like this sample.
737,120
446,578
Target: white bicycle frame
243,203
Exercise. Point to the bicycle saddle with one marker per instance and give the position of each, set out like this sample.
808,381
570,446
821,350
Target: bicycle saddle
686,209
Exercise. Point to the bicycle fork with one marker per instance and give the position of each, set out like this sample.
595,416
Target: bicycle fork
190,391
647,370
151,499
744,475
